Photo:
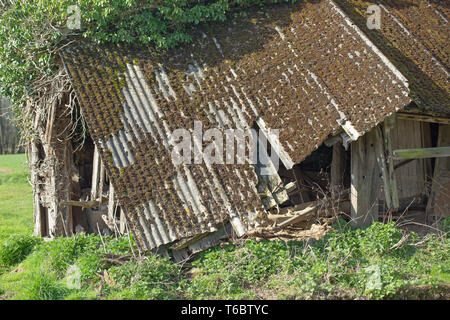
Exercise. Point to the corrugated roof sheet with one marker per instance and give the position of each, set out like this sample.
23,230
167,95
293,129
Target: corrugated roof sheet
303,68
414,35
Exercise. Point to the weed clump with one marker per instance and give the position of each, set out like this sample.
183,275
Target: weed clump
16,248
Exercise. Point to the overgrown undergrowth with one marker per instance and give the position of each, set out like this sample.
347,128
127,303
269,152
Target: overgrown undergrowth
380,262
376,263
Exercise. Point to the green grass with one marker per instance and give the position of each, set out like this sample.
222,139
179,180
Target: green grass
16,203
346,264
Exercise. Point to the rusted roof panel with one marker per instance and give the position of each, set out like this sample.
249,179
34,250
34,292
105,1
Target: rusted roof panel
414,35
304,69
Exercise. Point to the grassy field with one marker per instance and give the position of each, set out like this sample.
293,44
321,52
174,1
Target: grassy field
16,203
380,262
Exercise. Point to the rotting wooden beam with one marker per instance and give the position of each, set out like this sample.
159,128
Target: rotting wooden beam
365,181
84,204
300,216
422,153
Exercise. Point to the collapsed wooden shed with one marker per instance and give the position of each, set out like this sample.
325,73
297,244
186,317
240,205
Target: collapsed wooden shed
309,69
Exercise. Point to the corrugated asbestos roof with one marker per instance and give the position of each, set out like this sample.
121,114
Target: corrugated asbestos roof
414,35
303,68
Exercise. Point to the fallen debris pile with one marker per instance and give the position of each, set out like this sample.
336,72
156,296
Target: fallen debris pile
302,222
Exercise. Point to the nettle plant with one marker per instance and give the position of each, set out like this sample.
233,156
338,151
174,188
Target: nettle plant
32,31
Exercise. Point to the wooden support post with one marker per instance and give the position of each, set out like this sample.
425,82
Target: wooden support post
337,169
389,124
39,213
381,159
365,181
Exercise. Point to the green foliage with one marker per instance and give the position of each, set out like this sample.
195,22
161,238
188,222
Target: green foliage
376,263
152,278
85,251
347,263
46,287
227,271
32,31
16,248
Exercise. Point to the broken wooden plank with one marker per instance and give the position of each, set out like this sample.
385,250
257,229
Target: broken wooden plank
300,216
422,153
275,144
268,175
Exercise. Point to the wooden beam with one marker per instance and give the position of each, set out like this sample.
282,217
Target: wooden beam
422,153
365,181
83,204
423,118
300,216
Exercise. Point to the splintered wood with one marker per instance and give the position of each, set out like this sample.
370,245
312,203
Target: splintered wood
302,222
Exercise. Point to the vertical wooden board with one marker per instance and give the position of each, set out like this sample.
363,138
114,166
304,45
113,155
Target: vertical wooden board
300,181
411,178
366,181
337,168
439,200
